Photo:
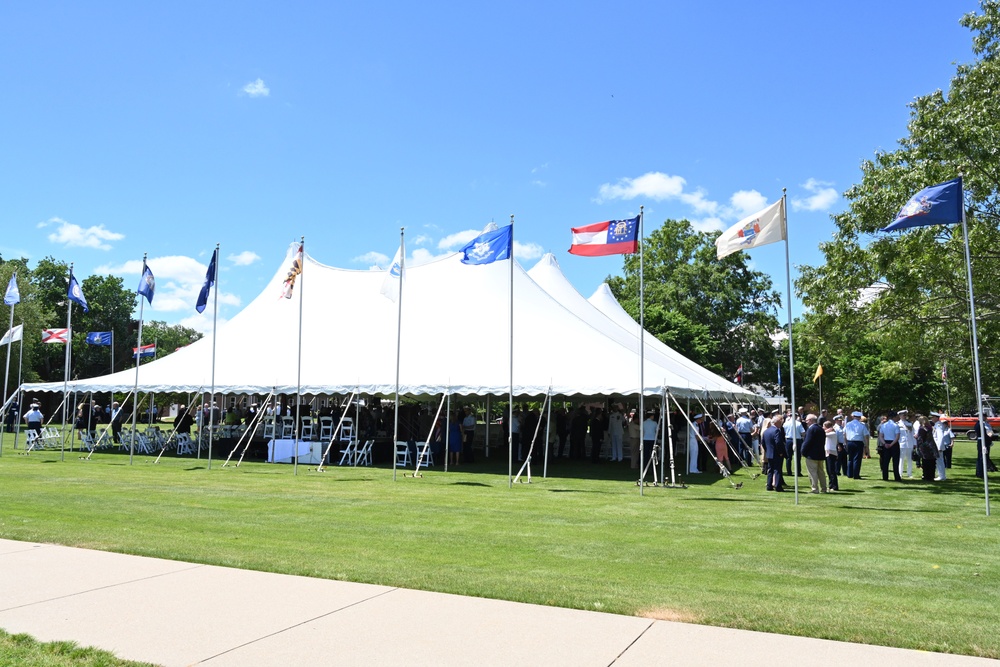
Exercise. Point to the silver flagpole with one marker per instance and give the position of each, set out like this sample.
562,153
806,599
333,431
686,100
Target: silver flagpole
20,395
138,359
510,388
975,361
548,425
791,353
298,381
6,373
399,328
215,322
642,351
112,349
69,353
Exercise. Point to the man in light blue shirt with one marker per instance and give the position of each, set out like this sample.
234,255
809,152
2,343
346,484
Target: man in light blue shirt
856,433
943,438
888,452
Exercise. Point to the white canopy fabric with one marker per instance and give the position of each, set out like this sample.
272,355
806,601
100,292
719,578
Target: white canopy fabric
604,313
455,338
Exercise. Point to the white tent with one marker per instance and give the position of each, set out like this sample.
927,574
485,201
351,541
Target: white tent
455,338
607,315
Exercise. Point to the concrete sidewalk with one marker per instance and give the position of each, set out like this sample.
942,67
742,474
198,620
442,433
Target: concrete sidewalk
174,613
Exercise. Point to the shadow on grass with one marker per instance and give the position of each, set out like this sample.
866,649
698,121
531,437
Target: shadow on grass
470,484
890,509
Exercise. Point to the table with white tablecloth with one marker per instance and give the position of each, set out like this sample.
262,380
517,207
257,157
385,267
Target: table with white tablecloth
283,451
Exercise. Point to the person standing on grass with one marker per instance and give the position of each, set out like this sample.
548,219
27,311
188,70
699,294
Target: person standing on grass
596,435
562,431
694,444
856,435
469,434
888,449
982,440
616,430
634,436
838,427
906,444
814,452
926,449
649,433
943,438
578,434
793,427
773,441
34,418
830,446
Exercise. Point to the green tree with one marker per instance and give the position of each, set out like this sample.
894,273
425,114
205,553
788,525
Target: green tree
899,301
719,313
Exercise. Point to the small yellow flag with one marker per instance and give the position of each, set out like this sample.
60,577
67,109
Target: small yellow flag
819,372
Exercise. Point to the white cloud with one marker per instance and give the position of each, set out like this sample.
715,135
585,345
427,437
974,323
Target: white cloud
539,184
245,258
75,236
376,258
257,89
707,224
526,251
453,241
653,185
822,198
201,323
747,202
422,239
178,281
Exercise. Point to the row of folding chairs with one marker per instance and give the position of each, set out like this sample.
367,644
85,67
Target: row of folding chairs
284,428
404,458
48,438
356,453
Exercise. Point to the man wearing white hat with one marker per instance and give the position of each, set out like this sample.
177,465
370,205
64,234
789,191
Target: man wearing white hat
855,432
744,429
694,444
906,444
943,438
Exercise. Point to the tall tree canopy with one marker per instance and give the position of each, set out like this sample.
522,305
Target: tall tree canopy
720,313
886,312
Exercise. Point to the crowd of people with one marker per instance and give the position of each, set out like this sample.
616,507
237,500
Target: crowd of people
832,447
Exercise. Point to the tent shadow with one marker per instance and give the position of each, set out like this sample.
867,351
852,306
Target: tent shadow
471,484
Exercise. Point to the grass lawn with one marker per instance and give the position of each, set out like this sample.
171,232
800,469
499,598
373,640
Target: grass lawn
24,651
911,564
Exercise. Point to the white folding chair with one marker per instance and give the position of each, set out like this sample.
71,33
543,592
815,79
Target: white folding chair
269,427
307,428
325,428
184,445
424,458
287,427
349,453
347,429
363,455
402,453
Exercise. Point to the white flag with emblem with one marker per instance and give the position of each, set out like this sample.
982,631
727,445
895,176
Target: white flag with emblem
12,335
394,276
767,226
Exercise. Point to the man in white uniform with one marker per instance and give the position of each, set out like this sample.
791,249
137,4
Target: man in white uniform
943,438
906,444
694,444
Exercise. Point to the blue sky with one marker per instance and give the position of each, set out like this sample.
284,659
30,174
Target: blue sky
167,128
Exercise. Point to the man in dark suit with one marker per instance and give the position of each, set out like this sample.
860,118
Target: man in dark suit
814,452
774,449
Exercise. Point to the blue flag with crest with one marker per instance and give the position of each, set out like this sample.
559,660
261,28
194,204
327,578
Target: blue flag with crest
13,294
939,204
490,246
147,284
209,281
99,338
75,294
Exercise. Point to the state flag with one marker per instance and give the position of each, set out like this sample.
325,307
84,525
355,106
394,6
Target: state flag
761,228
147,284
12,335
393,280
75,293
209,281
99,338
144,351
294,272
490,246
13,295
939,204
55,335
611,237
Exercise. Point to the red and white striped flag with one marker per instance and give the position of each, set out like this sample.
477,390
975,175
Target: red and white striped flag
55,335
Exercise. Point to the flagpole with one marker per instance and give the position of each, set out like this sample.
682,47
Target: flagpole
298,385
975,361
510,387
642,349
69,353
791,352
112,349
399,328
138,359
6,374
215,320
20,396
